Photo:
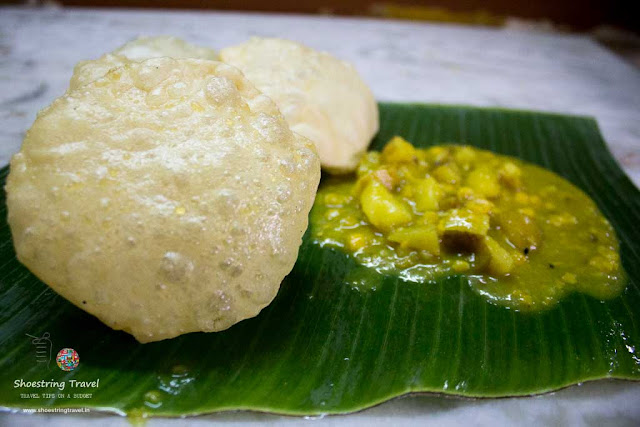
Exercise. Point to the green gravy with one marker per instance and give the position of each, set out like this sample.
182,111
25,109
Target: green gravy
523,235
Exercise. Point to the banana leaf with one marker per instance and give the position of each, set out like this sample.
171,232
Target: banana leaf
324,346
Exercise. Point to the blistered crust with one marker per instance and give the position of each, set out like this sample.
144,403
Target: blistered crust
168,197
321,97
140,49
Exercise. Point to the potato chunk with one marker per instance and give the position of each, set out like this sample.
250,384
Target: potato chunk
484,181
420,237
464,221
500,262
398,151
510,175
448,174
427,194
465,156
381,208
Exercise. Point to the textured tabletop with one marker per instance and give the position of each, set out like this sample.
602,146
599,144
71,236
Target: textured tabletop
401,62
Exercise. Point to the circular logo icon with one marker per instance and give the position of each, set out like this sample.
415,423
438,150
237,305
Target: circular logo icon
67,359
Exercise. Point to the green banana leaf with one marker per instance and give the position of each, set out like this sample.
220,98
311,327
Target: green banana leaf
326,347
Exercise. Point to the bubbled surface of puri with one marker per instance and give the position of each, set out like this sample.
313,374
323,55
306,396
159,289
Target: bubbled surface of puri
137,50
168,197
322,97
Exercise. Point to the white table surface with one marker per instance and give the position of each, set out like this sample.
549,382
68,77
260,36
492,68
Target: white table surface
401,61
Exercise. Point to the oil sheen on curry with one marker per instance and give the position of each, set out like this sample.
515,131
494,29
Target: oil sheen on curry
523,235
